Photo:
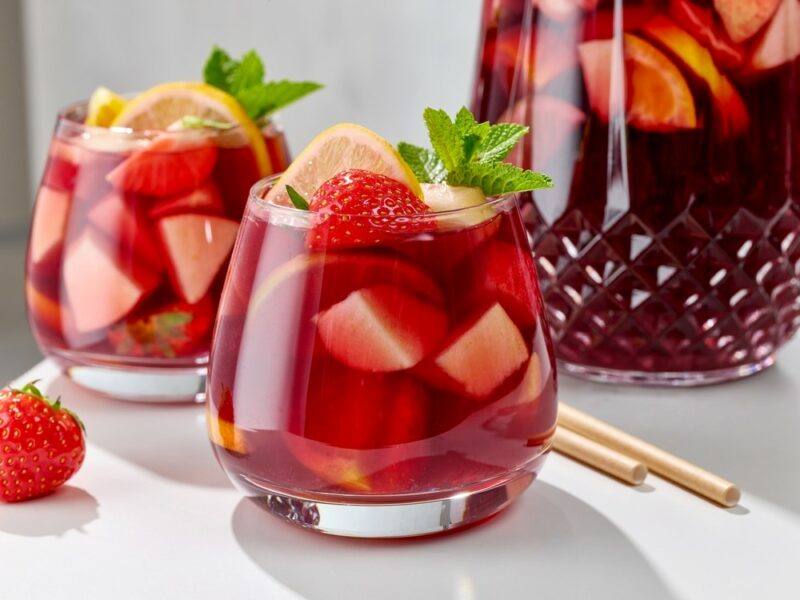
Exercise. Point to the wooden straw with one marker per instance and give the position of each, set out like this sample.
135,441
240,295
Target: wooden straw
598,456
657,460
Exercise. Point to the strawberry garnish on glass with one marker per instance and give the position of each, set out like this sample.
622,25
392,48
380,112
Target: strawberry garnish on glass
42,444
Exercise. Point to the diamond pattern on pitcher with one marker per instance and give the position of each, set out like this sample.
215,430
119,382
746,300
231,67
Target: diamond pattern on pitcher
713,289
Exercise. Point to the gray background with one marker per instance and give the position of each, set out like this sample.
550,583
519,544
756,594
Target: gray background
382,62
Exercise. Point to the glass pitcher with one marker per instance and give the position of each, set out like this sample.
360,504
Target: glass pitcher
669,250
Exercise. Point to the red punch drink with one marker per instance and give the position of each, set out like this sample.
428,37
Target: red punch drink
135,219
668,250
390,358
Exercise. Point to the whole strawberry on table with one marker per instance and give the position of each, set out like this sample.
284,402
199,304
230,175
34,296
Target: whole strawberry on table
42,444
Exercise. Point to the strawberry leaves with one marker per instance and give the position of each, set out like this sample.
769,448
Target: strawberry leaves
468,153
244,80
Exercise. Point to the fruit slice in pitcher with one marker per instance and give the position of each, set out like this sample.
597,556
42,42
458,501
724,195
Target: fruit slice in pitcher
49,222
730,110
659,98
781,40
482,353
99,290
699,21
44,310
381,328
197,247
743,18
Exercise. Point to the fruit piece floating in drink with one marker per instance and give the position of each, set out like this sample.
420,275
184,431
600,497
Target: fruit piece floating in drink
669,250
137,213
381,364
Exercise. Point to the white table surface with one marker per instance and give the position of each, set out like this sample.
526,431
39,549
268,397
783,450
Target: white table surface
151,515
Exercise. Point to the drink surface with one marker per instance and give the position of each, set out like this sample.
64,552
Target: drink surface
130,241
671,241
415,367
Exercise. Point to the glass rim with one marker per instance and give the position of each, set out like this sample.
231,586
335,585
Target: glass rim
292,214
66,117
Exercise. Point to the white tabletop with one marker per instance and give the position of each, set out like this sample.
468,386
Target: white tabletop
150,515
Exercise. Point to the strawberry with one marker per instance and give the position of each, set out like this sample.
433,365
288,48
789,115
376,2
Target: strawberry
367,194
42,444
169,165
171,331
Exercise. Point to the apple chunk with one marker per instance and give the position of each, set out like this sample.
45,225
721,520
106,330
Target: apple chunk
99,291
381,328
197,247
49,221
743,18
781,41
483,356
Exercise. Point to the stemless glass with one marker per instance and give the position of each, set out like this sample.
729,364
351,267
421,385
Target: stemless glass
128,247
393,390
669,249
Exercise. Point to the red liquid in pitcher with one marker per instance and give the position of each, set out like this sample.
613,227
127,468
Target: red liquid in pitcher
415,368
130,242
672,239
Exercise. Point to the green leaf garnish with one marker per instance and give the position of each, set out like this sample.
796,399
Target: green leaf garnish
468,153
427,167
296,198
244,80
193,122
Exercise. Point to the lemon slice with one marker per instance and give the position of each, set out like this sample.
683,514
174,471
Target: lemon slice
162,105
104,106
339,148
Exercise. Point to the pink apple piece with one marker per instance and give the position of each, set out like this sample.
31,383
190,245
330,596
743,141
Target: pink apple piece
197,247
49,221
381,328
486,354
98,290
743,18
780,43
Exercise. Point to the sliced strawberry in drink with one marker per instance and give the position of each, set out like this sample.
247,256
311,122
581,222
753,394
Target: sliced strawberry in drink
700,23
381,328
730,111
479,356
62,166
197,247
206,200
659,97
171,331
116,215
352,409
505,273
49,222
780,43
360,208
743,18
170,164
100,291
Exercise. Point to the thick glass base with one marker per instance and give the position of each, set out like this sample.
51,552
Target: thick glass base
394,519
665,378
134,382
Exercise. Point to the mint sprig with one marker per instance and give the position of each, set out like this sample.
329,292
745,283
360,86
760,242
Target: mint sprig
244,80
468,153
297,198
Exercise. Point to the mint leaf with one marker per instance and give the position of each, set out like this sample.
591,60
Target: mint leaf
296,198
193,122
498,178
500,141
248,73
427,167
243,79
445,138
472,133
